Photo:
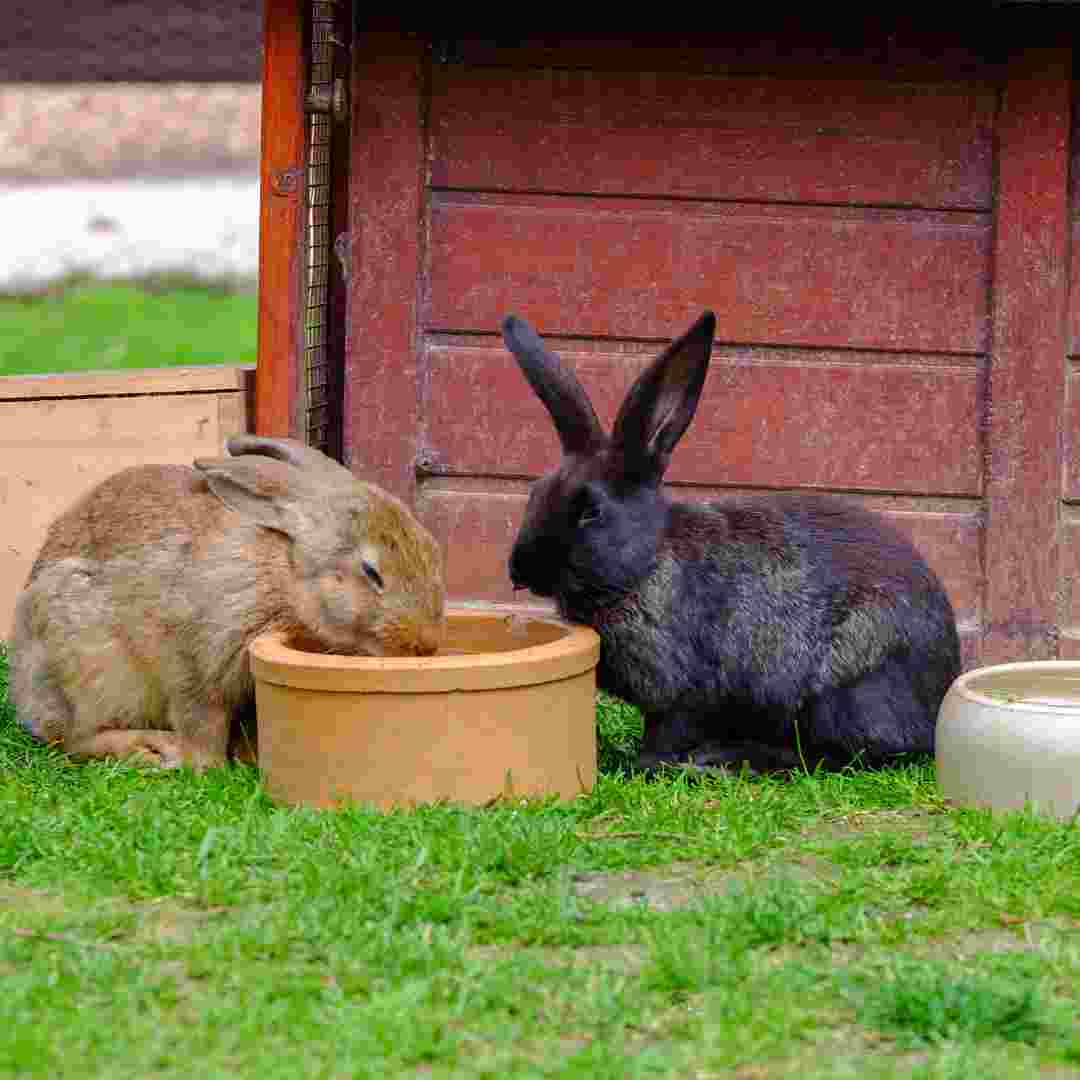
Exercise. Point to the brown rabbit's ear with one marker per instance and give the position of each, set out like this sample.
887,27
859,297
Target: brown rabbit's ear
559,390
660,405
292,452
268,492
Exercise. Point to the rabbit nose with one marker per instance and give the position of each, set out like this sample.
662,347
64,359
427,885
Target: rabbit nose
517,572
429,640
533,568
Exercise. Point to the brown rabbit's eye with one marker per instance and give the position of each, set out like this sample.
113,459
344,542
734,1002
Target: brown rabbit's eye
372,575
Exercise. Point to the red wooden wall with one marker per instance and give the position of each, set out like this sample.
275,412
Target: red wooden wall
882,225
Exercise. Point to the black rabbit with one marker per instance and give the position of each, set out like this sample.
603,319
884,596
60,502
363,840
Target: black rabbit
775,630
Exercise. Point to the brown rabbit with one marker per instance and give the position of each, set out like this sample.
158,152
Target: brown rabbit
131,635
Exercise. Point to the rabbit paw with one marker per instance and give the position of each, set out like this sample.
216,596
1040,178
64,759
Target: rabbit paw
160,749
714,756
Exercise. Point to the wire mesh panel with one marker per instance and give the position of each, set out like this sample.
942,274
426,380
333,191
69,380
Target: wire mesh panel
318,380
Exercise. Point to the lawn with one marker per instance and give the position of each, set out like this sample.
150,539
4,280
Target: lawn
85,325
176,925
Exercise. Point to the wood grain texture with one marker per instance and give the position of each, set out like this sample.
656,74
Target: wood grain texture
1027,369
1069,610
877,210
865,44
281,221
799,276
204,378
1070,437
386,166
768,417
745,138
53,450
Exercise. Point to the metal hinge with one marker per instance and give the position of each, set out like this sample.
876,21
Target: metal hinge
332,98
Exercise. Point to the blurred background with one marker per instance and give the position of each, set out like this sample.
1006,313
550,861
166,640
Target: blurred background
129,153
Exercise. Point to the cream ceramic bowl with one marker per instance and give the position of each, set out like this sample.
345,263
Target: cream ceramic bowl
1010,735
508,708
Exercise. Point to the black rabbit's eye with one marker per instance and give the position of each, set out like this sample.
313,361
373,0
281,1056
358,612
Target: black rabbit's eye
372,575
588,509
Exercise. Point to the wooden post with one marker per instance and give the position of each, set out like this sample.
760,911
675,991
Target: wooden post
381,412
281,221
1027,362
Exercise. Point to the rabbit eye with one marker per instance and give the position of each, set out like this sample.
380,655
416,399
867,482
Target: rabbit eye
372,575
588,509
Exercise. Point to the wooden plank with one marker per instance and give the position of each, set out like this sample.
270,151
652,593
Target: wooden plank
177,380
952,544
768,418
1074,276
1074,241
902,43
477,526
143,425
53,451
809,276
1027,369
476,530
281,221
1070,576
661,134
386,168
236,414
1070,438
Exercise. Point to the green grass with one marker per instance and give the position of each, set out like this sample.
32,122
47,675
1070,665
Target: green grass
83,325
815,926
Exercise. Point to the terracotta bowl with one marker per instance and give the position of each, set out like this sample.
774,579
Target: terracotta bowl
1010,735
506,709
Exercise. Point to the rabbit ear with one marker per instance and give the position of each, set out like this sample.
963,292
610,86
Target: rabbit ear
660,405
291,451
563,396
268,492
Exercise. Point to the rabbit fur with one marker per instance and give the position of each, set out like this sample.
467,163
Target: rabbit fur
773,630
131,634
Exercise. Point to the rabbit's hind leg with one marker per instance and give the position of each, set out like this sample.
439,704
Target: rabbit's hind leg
164,749
670,736
199,739
874,719
203,730
41,707
687,739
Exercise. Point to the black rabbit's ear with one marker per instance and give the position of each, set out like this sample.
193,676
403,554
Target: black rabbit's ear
660,405
563,396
